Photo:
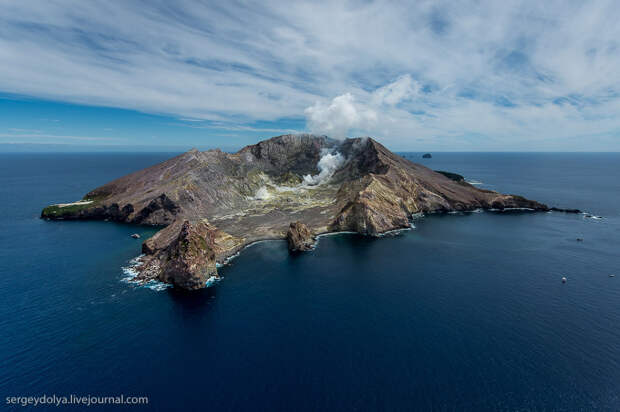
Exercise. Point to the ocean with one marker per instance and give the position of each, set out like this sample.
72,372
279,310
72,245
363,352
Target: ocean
463,312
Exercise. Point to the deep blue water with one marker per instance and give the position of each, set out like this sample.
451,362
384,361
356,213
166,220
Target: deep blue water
465,312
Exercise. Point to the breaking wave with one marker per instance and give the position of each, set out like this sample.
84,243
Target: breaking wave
131,273
395,232
212,281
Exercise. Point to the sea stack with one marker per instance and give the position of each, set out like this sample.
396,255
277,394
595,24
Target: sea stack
299,238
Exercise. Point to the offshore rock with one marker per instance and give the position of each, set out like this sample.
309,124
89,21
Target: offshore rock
299,237
213,203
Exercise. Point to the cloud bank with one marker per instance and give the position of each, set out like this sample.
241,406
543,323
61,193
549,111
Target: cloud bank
506,75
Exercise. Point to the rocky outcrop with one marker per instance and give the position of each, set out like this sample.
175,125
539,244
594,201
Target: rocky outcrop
299,237
190,258
453,176
185,253
160,210
188,261
214,203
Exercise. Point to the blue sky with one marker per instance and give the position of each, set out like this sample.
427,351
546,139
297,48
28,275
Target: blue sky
420,76
36,124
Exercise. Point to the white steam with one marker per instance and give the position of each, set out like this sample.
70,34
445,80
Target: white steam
262,194
338,117
328,164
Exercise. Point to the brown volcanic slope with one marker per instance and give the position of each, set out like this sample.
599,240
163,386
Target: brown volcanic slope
214,203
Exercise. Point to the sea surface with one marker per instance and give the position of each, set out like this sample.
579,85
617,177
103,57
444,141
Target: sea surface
463,312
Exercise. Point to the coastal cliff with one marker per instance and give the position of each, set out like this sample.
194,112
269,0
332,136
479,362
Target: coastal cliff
288,187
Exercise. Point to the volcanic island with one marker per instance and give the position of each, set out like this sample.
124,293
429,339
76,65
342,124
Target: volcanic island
212,204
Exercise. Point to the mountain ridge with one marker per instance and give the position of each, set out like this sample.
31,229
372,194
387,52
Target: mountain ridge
215,203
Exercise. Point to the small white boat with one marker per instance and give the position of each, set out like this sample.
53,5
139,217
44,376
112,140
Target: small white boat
564,279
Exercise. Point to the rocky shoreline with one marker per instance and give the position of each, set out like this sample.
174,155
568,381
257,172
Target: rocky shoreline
292,187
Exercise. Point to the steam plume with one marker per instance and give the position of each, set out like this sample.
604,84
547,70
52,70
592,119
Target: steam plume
328,164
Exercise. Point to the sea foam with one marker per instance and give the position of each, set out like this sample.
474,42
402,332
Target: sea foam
131,273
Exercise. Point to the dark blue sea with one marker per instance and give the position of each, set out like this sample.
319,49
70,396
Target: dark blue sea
464,312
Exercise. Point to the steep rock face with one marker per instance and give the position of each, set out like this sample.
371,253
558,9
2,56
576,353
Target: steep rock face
299,237
390,189
160,210
213,203
184,253
298,154
191,258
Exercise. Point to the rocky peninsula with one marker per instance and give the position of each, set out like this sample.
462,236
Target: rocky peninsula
292,187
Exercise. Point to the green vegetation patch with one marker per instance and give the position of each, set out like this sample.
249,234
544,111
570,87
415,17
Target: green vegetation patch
58,211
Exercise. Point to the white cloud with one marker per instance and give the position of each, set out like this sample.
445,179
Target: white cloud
473,74
403,88
339,116
344,114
